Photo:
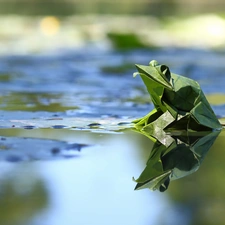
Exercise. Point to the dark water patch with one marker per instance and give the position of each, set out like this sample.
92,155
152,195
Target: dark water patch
58,126
55,150
94,125
29,127
19,149
123,123
13,158
76,146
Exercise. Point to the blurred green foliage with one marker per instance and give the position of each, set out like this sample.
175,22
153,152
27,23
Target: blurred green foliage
126,41
159,8
120,69
21,198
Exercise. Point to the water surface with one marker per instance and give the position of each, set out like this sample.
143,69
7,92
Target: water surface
68,155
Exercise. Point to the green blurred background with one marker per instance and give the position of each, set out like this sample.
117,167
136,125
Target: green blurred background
143,7
38,25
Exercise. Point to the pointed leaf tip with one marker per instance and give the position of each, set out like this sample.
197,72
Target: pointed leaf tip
135,74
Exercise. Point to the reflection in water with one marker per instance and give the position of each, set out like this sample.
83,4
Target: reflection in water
94,188
22,195
174,156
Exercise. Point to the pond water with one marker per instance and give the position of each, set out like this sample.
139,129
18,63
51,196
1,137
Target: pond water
67,150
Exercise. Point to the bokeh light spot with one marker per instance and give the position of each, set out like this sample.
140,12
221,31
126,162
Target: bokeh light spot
50,25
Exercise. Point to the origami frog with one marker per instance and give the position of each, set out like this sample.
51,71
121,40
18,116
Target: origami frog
179,102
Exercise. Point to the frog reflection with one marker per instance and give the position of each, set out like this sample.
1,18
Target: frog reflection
174,156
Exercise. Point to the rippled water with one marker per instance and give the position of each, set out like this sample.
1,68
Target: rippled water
67,154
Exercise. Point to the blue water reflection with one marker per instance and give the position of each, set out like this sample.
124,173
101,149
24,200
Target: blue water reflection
97,188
